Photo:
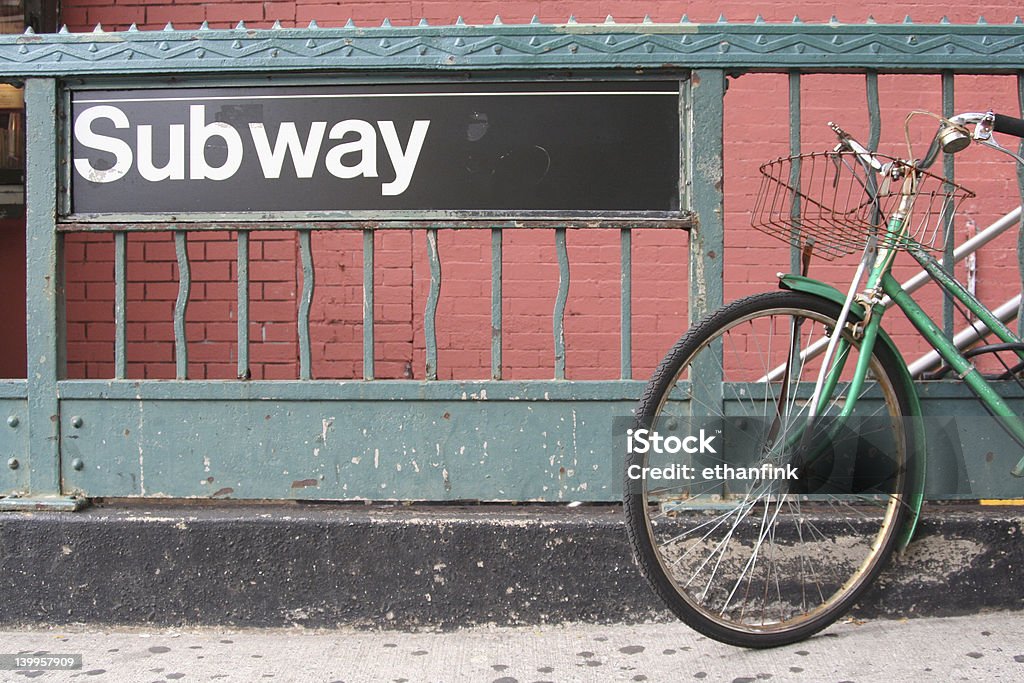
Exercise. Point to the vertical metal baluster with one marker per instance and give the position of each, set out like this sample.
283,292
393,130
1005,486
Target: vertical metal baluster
120,304
558,318
496,318
181,305
429,320
707,241
305,302
626,304
45,330
795,256
243,306
368,369
1020,189
874,110
948,172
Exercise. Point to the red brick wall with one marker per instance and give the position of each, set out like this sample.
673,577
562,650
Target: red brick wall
756,129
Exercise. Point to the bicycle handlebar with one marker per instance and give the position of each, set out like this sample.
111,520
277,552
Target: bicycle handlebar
1010,125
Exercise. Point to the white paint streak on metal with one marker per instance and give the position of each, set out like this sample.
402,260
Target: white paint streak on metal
142,469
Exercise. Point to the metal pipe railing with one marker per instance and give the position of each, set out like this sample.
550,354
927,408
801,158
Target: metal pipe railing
965,337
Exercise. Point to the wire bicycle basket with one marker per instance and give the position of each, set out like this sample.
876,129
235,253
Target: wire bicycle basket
833,203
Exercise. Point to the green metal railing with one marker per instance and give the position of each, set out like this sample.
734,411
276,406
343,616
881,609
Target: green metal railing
66,440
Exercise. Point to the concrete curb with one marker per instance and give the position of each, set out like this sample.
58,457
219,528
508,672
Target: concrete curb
409,567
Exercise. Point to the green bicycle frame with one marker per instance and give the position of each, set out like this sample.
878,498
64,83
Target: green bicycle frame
881,278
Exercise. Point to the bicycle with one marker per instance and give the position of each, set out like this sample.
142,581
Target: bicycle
804,470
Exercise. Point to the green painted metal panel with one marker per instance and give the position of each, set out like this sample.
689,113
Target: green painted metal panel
418,449
496,450
971,457
13,444
900,47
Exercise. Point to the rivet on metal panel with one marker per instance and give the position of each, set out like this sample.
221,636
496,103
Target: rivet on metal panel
13,421
76,422
77,464
13,463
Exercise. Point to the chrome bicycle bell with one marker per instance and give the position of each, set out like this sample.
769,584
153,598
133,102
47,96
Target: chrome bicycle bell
953,138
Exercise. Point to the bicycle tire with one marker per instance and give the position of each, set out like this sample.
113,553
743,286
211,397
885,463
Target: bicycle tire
814,544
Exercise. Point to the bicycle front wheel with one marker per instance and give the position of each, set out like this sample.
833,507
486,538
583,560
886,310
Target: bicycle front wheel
776,528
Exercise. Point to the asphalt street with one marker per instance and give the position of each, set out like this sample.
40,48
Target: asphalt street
988,647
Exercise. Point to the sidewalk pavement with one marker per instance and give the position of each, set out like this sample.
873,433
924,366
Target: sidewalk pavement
987,647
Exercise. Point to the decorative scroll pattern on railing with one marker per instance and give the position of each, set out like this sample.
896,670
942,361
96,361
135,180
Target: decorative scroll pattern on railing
571,45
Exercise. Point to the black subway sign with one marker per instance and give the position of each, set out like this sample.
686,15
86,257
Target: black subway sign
503,148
